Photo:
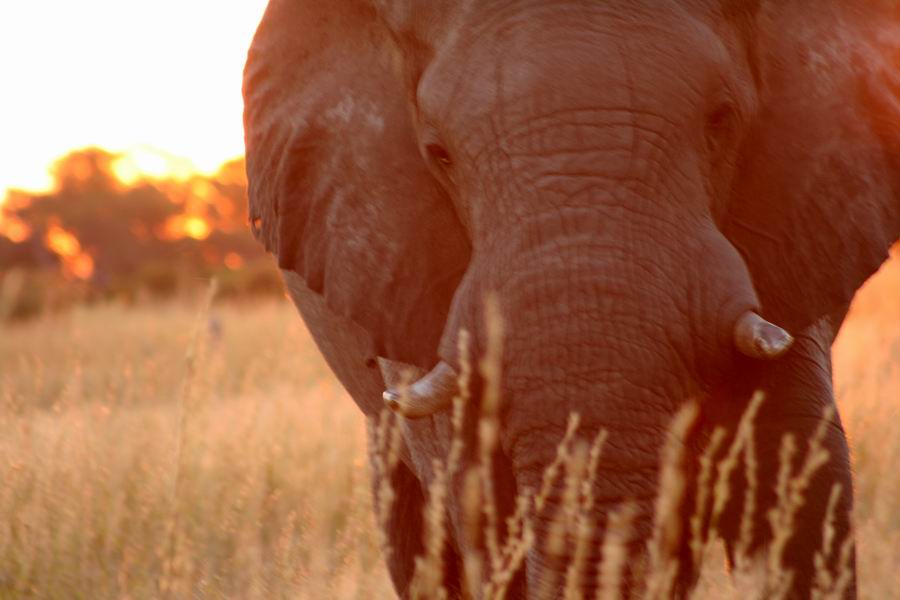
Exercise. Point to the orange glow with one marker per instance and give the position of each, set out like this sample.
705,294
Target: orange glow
197,228
233,260
61,241
82,266
182,226
76,262
201,189
14,229
225,208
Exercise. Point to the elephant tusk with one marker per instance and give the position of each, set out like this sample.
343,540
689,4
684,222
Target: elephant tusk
757,338
430,394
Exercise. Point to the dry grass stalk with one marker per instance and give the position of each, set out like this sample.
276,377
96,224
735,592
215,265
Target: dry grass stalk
748,513
722,489
663,549
564,453
489,426
615,552
428,577
791,496
284,551
584,520
385,440
519,540
473,561
778,579
825,581
567,526
698,533
460,403
168,584
562,456
845,574
429,573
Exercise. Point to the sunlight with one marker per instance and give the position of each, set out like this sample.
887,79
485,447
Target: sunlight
182,226
76,262
121,74
146,162
81,266
62,242
197,228
14,229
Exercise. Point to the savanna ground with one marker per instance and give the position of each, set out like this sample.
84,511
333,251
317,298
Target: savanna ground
156,452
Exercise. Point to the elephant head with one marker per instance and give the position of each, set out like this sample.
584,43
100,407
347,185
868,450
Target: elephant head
651,190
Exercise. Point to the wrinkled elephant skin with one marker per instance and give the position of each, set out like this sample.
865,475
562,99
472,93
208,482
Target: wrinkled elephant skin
669,201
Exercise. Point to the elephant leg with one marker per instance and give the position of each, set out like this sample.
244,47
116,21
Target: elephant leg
792,541
349,351
404,532
405,529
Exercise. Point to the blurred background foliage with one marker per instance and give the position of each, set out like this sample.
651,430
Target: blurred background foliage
103,233
106,232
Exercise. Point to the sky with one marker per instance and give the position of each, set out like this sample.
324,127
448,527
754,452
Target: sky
158,79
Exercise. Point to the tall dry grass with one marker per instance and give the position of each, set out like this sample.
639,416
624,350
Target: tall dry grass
156,452
124,475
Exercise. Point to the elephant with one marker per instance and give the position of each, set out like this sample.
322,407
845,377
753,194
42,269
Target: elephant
666,202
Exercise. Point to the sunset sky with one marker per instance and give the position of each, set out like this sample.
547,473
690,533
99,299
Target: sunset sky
159,79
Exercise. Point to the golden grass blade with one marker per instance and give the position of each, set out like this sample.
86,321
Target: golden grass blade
663,548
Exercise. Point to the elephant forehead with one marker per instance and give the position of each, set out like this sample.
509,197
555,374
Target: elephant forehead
425,19
548,56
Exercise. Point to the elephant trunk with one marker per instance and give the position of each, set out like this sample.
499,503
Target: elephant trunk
603,292
753,336
601,322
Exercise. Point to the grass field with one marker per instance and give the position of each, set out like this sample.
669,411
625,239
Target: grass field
149,453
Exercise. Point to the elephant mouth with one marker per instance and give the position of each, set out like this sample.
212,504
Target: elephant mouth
753,336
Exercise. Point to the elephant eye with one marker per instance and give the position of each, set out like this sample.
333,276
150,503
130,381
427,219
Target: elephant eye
720,127
439,153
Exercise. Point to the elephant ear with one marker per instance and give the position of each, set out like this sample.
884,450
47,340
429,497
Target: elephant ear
816,202
338,188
